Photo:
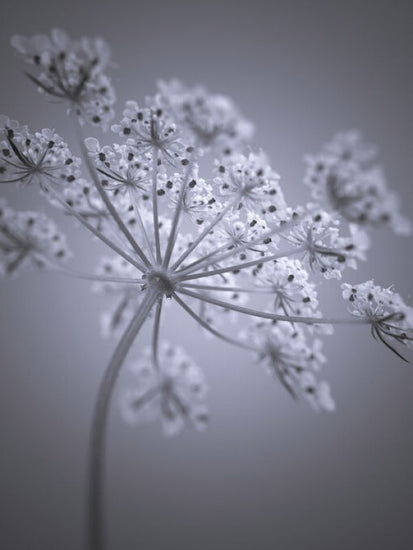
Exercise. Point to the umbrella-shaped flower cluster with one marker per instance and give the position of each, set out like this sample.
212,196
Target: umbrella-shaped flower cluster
223,245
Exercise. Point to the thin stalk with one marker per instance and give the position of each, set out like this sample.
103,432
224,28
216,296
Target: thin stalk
109,205
155,335
177,216
258,241
155,155
205,232
189,267
96,466
210,329
95,231
273,316
91,277
224,288
242,265
132,196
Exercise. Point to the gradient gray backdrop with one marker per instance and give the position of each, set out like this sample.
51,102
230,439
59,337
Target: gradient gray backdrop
268,474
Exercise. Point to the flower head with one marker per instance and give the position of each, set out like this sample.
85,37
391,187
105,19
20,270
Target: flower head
41,157
72,71
342,176
283,349
390,318
28,239
210,120
170,387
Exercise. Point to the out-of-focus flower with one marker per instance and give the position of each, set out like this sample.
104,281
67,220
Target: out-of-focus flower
170,387
72,71
283,349
29,239
211,120
342,176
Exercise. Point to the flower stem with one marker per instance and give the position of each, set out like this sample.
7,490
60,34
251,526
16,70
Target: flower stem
245,246
134,201
205,232
96,464
273,316
210,329
177,215
114,213
155,204
95,231
242,265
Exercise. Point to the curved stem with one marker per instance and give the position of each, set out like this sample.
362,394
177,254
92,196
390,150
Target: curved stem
96,464
155,336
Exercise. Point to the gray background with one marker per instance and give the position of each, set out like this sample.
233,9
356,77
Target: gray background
268,473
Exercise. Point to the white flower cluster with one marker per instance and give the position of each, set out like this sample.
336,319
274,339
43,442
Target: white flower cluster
390,318
292,360
37,157
173,390
210,120
71,71
223,247
342,176
28,239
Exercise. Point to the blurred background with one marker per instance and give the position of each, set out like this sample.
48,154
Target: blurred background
268,473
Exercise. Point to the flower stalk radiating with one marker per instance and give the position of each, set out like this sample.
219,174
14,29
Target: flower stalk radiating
222,247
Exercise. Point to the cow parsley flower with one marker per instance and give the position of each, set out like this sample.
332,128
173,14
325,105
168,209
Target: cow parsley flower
71,71
170,387
341,176
28,239
325,249
150,129
283,349
210,120
222,246
34,157
391,320
251,183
